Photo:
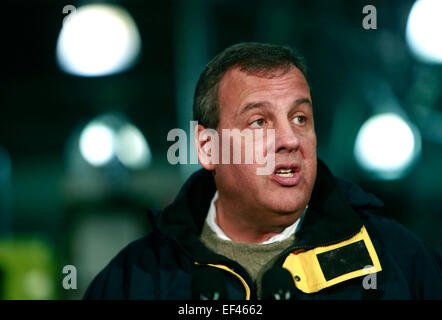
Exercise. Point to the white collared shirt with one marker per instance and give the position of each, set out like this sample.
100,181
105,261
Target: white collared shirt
211,221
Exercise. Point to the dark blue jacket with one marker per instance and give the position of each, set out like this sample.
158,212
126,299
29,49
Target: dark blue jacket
160,265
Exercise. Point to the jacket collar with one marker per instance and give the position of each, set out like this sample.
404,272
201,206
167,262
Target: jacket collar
183,220
329,219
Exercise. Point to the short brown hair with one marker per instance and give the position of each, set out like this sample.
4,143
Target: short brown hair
248,56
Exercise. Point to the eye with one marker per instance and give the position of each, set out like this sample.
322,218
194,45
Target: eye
300,120
259,123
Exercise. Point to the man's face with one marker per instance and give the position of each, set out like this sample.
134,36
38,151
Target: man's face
282,103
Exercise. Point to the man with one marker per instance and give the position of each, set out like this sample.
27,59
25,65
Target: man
242,226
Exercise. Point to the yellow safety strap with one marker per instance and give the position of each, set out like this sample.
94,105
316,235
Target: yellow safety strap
223,267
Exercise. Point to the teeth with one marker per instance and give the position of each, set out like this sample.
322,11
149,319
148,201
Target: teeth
286,173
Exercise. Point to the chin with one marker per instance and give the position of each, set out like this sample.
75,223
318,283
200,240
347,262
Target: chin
286,200
286,207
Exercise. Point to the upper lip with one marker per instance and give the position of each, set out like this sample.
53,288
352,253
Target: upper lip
287,165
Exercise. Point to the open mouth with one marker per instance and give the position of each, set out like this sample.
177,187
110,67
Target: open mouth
287,174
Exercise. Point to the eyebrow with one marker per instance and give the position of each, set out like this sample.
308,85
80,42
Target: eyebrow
266,105
254,105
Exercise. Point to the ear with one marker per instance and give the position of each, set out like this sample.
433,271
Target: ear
207,147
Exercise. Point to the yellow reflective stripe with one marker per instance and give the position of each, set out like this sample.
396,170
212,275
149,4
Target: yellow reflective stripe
306,270
244,283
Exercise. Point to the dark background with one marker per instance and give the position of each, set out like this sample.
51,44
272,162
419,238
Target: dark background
43,200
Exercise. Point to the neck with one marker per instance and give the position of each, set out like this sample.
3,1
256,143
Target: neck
252,226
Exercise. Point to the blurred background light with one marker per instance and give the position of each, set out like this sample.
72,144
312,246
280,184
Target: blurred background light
132,148
387,145
424,30
97,143
29,268
112,136
98,40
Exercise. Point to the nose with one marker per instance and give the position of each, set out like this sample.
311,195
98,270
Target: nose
286,139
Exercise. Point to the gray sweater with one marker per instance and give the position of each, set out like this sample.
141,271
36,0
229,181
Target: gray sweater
254,257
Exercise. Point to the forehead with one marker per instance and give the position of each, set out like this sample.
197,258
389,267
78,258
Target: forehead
239,87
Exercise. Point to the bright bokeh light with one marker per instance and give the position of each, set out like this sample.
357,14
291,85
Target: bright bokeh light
97,143
98,40
112,137
386,145
132,148
424,30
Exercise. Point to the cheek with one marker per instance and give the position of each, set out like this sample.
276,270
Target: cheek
309,146
238,147
237,178
310,156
